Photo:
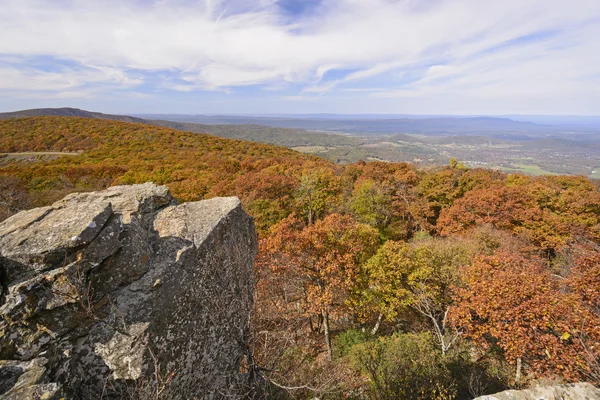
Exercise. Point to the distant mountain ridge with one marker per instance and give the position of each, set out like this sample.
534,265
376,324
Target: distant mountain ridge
69,112
500,127
430,125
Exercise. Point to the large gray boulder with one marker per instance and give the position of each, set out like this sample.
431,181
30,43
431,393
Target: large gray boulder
576,391
124,291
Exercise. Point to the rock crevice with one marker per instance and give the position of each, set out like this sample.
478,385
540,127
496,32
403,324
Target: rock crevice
102,289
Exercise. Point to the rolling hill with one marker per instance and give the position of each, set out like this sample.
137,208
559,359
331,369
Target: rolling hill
68,112
105,153
289,137
482,141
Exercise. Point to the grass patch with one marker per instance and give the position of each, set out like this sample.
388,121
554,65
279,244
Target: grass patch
528,169
312,149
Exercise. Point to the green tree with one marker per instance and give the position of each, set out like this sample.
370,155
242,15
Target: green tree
420,276
371,204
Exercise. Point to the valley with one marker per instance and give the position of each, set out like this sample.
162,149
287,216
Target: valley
534,149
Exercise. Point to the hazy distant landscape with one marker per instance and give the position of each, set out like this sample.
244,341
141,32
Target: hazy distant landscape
560,145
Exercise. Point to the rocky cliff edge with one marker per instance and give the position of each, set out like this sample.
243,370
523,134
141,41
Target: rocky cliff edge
124,292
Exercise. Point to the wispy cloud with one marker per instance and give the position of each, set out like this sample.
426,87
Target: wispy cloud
541,49
22,76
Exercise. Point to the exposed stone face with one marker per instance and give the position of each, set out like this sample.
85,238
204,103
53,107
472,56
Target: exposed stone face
101,287
577,391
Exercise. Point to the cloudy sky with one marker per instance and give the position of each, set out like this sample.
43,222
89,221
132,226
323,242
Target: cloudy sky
302,56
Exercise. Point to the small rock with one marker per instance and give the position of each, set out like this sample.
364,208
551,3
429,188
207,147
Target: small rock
576,391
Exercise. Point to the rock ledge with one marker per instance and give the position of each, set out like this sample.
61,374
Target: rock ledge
101,289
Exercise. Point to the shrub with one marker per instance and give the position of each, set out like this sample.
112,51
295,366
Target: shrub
404,366
344,342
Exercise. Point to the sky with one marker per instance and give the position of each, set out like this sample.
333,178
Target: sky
468,57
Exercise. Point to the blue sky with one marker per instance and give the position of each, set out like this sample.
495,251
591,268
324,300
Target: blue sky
302,56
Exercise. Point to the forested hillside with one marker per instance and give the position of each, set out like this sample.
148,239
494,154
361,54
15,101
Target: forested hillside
374,280
68,112
533,151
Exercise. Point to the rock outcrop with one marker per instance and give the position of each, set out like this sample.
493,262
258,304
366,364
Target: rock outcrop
577,391
124,291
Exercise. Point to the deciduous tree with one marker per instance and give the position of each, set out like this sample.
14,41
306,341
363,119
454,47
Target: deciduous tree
324,258
533,316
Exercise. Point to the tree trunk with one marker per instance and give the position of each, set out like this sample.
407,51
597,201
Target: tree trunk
326,333
518,374
376,327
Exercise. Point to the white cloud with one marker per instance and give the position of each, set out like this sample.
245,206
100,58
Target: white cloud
29,78
217,44
533,69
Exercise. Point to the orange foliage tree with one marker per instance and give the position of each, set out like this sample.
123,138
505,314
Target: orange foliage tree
531,315
324,258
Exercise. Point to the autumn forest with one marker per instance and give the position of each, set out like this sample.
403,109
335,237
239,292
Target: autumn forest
373,280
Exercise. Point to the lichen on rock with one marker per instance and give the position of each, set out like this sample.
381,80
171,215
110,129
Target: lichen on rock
103,288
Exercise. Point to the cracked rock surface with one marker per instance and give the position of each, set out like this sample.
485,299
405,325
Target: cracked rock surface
574,391
101,289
